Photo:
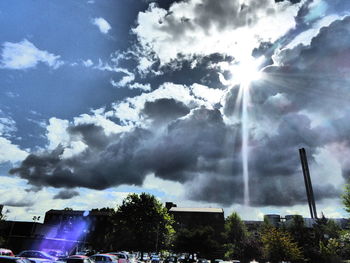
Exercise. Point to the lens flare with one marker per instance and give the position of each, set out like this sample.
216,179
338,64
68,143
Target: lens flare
243,74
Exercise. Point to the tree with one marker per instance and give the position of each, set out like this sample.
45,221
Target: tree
327,234
305,238
326,228
279,246
346,198
252,249
235,235
345,244
330,251
199,240
141,223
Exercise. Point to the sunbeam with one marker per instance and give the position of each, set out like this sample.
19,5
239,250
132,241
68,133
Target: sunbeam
243,74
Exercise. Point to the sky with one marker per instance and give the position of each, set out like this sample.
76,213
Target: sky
102,98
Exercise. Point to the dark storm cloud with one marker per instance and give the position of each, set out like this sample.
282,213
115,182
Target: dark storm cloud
92,135
34,189
164,110
314,77
128,157
19,203
274,168
185,73
66,194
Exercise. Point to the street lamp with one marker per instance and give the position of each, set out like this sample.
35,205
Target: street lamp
35,219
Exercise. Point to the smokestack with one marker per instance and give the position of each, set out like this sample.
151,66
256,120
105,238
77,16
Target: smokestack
308,184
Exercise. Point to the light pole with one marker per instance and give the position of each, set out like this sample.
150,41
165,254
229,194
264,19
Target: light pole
35,219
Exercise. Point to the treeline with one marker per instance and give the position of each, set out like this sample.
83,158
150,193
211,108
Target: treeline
142,223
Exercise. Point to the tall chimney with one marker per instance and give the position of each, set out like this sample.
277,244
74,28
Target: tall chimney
308,184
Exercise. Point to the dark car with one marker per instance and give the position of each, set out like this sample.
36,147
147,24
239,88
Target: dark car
9,259
79,259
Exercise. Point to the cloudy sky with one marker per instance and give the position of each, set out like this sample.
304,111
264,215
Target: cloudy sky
100,98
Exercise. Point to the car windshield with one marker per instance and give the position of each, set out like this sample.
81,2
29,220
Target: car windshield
75,260
35,254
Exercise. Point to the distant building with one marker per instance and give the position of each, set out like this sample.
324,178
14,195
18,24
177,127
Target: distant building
92,218
90,226
194,217
278,221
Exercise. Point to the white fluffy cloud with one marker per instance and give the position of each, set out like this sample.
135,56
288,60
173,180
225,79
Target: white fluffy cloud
57,133
102,24
10,152
195,27
24,55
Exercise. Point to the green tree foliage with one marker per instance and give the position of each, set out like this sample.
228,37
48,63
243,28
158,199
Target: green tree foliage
235,230
326,228
235,236
141,223
279,246
200,240
330,251
305,238
344,241
327,234
346,198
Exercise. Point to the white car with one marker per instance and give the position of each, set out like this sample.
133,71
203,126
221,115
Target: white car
122,257
104,258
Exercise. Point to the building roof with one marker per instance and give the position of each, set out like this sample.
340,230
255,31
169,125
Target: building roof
78,212
197,210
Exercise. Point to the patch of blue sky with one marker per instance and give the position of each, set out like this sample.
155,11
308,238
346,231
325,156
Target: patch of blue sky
317,11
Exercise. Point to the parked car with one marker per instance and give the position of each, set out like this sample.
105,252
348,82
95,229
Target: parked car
37,256
202,260
6,252
12,259
122,256
104,258
56,253
79,259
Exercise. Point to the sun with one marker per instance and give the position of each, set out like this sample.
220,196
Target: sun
246,71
